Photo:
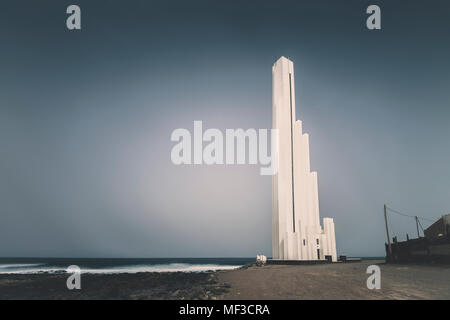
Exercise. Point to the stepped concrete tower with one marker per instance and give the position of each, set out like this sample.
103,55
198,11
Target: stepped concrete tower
296,230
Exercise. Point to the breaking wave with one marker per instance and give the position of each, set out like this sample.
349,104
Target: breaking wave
171,267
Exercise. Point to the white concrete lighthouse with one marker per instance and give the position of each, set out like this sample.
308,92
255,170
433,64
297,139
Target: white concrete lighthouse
296,230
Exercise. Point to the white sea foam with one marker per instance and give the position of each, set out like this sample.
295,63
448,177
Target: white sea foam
172,267
19,265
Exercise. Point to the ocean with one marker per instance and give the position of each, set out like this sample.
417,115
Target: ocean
110,266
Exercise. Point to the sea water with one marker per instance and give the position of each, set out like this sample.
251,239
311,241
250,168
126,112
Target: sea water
110,266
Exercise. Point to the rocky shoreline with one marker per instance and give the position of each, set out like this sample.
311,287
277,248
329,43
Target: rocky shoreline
148,285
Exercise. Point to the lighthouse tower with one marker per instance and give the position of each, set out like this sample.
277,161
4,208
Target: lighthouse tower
296,230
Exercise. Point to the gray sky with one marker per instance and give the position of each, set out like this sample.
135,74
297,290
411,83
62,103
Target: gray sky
86,118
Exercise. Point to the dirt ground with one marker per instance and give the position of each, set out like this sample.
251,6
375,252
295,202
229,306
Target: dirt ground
337,281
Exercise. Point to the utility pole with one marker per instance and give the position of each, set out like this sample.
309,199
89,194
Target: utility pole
417,226
387,231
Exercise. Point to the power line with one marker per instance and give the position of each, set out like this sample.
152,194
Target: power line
407,215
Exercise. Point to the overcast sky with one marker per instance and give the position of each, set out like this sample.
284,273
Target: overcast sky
86,118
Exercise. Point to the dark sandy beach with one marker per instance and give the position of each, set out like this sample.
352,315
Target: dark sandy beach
328,281
146,285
